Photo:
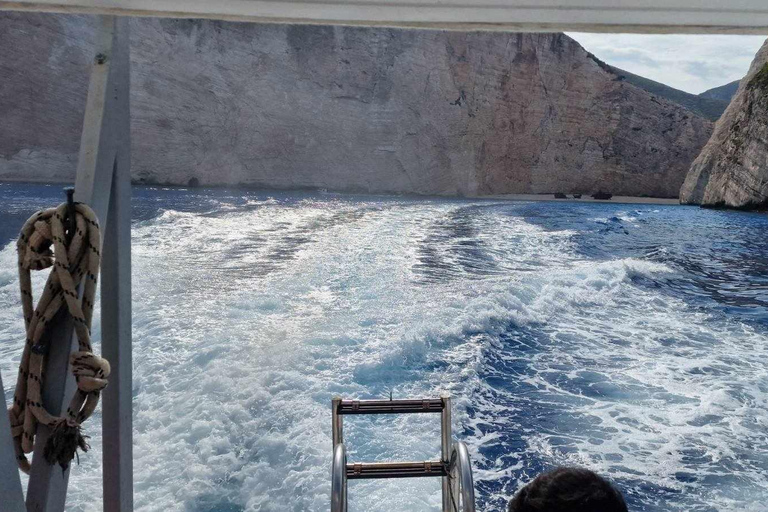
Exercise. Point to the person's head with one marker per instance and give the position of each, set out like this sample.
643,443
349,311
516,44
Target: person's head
568,490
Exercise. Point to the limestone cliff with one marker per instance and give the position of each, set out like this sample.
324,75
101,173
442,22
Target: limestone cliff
732,169
365,109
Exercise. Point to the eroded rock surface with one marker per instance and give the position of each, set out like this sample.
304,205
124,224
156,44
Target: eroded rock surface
732,169
363,109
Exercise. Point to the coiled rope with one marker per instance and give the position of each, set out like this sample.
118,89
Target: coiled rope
75,258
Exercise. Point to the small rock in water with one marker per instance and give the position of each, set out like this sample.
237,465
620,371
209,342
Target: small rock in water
560,195
577,196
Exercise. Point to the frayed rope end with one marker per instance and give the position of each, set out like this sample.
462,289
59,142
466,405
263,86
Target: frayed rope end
63,443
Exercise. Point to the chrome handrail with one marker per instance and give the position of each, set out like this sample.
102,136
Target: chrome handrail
461,481
454,466
339,479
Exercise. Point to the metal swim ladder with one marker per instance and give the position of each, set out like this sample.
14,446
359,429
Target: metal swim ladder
454,467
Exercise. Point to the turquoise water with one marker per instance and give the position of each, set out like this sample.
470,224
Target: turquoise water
629,339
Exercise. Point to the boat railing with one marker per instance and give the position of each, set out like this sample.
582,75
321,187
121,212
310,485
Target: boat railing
454,467
339,479
460,479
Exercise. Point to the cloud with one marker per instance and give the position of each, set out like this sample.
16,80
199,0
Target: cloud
693,63
629,56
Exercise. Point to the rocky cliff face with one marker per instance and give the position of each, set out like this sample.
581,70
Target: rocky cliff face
732,169
365,109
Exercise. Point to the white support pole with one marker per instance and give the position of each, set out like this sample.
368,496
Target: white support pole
103,182
10,483
116,298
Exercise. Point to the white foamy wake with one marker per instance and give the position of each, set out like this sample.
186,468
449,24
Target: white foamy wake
666,398
247,321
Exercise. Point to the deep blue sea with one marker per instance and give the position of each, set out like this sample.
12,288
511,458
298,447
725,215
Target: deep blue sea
630,339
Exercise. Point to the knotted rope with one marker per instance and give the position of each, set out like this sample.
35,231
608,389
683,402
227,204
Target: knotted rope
73,261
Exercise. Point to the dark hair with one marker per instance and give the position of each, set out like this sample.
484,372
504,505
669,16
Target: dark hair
568,490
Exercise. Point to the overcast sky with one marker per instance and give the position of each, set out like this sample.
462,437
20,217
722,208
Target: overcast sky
691,63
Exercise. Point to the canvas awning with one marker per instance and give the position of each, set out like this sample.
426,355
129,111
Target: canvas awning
705,16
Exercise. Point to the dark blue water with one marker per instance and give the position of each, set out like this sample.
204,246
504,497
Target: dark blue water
719,271
630,339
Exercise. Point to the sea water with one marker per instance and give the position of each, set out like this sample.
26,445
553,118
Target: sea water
628,339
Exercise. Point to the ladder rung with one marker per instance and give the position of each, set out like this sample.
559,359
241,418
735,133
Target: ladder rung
390,406
363,470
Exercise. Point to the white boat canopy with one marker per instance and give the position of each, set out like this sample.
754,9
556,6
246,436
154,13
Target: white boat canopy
653,16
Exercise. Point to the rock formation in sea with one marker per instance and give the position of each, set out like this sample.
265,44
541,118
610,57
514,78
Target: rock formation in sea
342,108
732,169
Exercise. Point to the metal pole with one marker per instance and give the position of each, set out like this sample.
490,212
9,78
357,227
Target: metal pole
463,483
337,422
104,149
116,341
10,484
339,479
445,447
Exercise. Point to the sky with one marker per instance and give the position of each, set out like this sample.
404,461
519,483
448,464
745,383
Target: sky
692,63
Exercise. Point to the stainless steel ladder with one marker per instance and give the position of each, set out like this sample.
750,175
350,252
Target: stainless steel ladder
454,467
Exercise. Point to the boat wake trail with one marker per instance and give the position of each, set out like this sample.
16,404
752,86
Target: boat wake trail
563,340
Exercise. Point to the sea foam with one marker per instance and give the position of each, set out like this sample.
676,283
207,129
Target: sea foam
249,317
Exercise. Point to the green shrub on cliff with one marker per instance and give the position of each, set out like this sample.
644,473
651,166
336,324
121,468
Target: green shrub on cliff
760,80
